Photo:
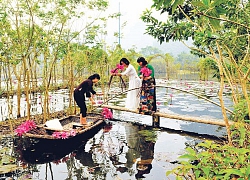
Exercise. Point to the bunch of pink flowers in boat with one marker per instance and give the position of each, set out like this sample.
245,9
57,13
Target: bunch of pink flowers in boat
25,127
63,134
107,113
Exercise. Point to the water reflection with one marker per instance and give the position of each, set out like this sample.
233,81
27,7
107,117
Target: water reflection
146,151
121,150
118,151
58,100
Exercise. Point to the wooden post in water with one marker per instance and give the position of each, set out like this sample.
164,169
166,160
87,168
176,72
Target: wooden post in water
156,120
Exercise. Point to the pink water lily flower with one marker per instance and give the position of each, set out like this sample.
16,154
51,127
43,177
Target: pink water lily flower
99,102
107,113
56,135
118,67
25,127
121,67
20,131
31,124
114,70
72,132
158,103
146,71
64,135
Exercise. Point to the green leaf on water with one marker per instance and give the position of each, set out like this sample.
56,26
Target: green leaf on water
8,168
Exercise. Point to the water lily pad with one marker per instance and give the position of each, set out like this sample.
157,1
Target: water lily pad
188,110
214,110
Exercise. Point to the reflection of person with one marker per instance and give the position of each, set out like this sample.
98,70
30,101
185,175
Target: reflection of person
146,149
148,91
132,100
86,87
143,169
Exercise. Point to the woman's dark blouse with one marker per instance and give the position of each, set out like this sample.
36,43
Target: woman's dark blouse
85,87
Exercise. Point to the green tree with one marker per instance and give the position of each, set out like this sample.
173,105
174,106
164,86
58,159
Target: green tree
150,50
206,65
219,30
39,36
183,58
169,63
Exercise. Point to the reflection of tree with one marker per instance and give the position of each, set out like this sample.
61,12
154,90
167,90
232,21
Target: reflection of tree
110,152
95,157
116,151
132,140
105,154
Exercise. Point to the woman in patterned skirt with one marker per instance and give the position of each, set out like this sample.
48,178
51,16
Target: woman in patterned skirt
148,92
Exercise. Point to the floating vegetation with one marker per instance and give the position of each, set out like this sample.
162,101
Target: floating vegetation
150,135
7,161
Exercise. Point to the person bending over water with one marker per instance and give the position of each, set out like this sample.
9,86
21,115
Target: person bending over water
85,88
133,98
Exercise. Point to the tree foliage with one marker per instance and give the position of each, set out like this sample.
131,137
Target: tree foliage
206,65
49,40
150,50
220,31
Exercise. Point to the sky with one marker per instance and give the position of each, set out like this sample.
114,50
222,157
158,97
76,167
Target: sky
133,34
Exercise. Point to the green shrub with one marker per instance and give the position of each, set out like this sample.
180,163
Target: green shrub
209,160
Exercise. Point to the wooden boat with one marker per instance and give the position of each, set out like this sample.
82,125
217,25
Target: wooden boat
39,145
66,124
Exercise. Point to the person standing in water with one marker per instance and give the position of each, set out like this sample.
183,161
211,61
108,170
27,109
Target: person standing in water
85,88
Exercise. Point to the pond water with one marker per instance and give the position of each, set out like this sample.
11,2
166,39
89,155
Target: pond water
127,148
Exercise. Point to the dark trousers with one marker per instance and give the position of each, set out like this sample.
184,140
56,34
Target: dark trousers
80,101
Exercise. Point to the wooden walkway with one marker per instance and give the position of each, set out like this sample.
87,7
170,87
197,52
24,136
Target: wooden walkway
156,117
